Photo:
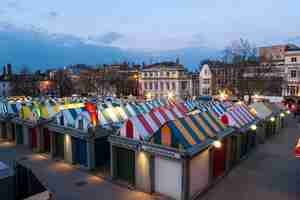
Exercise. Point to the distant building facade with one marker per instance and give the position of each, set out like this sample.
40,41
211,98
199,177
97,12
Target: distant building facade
205,81
165,79
292,73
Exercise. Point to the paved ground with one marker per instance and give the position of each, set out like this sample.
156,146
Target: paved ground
63,179
270,172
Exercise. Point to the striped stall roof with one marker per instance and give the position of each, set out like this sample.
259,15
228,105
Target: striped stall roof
260,110
188,131
142,126
239,116
121,113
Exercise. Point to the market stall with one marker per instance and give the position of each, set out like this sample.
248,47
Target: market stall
265,124
244,139
173,150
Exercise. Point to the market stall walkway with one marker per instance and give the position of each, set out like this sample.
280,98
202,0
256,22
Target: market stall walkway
270,172
66,181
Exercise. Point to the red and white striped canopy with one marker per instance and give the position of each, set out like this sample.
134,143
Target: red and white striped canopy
143,126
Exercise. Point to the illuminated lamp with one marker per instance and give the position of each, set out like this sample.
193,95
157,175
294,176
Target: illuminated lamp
239,102
170,95
148,95
272,119
217,144
253,127
282,114
253,111
288,112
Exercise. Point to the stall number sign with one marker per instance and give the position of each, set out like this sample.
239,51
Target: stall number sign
161,152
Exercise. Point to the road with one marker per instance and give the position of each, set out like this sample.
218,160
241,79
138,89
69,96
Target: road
270,172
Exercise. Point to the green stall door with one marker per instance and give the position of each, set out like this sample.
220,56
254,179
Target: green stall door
19,134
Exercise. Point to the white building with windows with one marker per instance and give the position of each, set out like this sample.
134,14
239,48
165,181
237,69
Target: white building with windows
166,79
292,73
205,81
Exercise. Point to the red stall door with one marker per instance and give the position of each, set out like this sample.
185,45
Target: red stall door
219,159
33,138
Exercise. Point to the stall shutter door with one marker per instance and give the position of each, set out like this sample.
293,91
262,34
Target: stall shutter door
19,134
33,138
13,132
4,131
125,165
46,140
102,152
59,141
219,156
243,145
80,151
168,176
234,151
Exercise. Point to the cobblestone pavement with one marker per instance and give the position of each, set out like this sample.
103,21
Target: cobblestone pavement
270,172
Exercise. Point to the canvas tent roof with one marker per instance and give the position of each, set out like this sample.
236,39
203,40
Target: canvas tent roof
260,110
239,116
141,127
189,131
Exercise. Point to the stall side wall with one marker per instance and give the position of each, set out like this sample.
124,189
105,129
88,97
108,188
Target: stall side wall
199,173
142,171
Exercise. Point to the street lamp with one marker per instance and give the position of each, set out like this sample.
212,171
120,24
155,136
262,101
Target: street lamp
217,144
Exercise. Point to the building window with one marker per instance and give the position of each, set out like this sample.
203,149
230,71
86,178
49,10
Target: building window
293,74
184,85
144,74
206,81
156,86
206,91
173,86
161,85
294,59
150,74
205,72
161,73
168,85
168,74
146,85
150,86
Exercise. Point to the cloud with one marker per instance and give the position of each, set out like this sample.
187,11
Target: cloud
53,14
107,38
14,4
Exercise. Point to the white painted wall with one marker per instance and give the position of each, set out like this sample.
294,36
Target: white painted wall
168,177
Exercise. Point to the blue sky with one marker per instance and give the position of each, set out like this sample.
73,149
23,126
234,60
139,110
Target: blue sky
160,25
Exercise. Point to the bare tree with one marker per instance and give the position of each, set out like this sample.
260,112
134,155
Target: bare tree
64,83
250,77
